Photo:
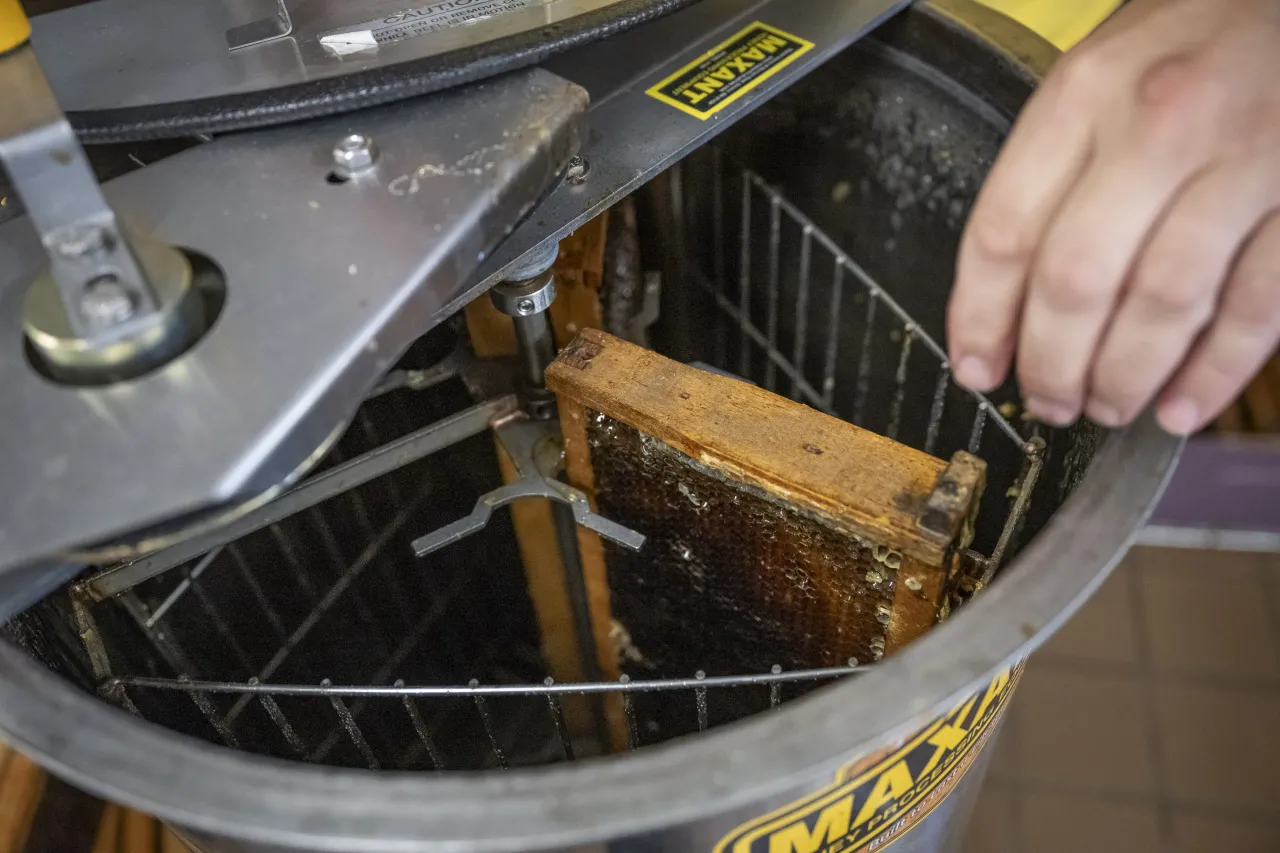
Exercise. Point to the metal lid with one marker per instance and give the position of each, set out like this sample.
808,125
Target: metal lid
135,69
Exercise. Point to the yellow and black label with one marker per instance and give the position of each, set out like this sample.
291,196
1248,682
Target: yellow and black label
869,808
730,70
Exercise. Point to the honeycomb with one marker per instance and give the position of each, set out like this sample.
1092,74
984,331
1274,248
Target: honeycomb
731,580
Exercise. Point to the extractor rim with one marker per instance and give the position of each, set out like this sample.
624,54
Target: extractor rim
271,801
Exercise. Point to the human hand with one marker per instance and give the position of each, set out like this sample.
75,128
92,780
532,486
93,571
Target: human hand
1126,245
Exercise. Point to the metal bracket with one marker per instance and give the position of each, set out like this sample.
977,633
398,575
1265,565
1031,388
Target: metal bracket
402,240
536,451
275,27
97,277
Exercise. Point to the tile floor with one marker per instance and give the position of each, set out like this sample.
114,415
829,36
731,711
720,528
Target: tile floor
1151,723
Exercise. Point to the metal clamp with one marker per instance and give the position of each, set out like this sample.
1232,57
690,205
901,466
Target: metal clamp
537,451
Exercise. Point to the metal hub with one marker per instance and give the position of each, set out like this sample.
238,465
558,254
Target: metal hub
188,298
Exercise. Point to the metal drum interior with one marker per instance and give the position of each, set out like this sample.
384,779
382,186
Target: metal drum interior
809,251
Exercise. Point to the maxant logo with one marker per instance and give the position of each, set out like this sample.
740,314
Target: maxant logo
867,811
733,67
730,70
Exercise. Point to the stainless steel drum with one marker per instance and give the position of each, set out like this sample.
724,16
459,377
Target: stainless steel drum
301,682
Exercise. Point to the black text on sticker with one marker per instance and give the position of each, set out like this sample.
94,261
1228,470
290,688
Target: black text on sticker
864,812
730,70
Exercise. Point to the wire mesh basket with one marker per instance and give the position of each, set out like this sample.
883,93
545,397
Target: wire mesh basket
309,631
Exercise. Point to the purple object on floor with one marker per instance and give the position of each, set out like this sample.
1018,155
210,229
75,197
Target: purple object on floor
1224,484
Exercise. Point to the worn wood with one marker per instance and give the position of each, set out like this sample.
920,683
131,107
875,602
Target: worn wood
109,832
579,277
22,784
594,573
918,591
32,804
170,842
1264,405
838,541
490,331
1232,419
873,486
140,832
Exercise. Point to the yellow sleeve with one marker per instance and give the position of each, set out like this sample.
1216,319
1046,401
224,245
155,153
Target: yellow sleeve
1063,22
14,27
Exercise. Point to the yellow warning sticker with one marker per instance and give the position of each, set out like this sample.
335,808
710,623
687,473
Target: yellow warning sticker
730,70
867,809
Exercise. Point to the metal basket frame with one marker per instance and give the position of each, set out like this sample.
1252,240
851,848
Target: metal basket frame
193,558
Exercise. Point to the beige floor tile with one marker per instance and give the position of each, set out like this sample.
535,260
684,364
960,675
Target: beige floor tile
1271,579
1083,730
1221,747
1271,561
1076,824
1209,615
1103,629
992,827
1200,834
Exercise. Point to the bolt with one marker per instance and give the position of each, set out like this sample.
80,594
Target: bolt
525,306
106,302
578,170
77,241
353,154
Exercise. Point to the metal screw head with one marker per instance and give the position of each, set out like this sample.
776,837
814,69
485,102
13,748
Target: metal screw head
353,154
106,302
77,241
578,170
526,306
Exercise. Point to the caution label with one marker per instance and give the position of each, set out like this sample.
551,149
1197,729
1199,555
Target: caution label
421,21
867,809
730,70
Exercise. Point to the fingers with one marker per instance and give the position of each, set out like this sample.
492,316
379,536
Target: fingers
1243,335
1172,293
1079,274
1042,158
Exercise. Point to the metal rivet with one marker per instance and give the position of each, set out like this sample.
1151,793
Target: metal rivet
106,302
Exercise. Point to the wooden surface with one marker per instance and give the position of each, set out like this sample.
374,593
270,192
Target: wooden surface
868,483
873,588
1257,409
22,785
594,574
42,814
